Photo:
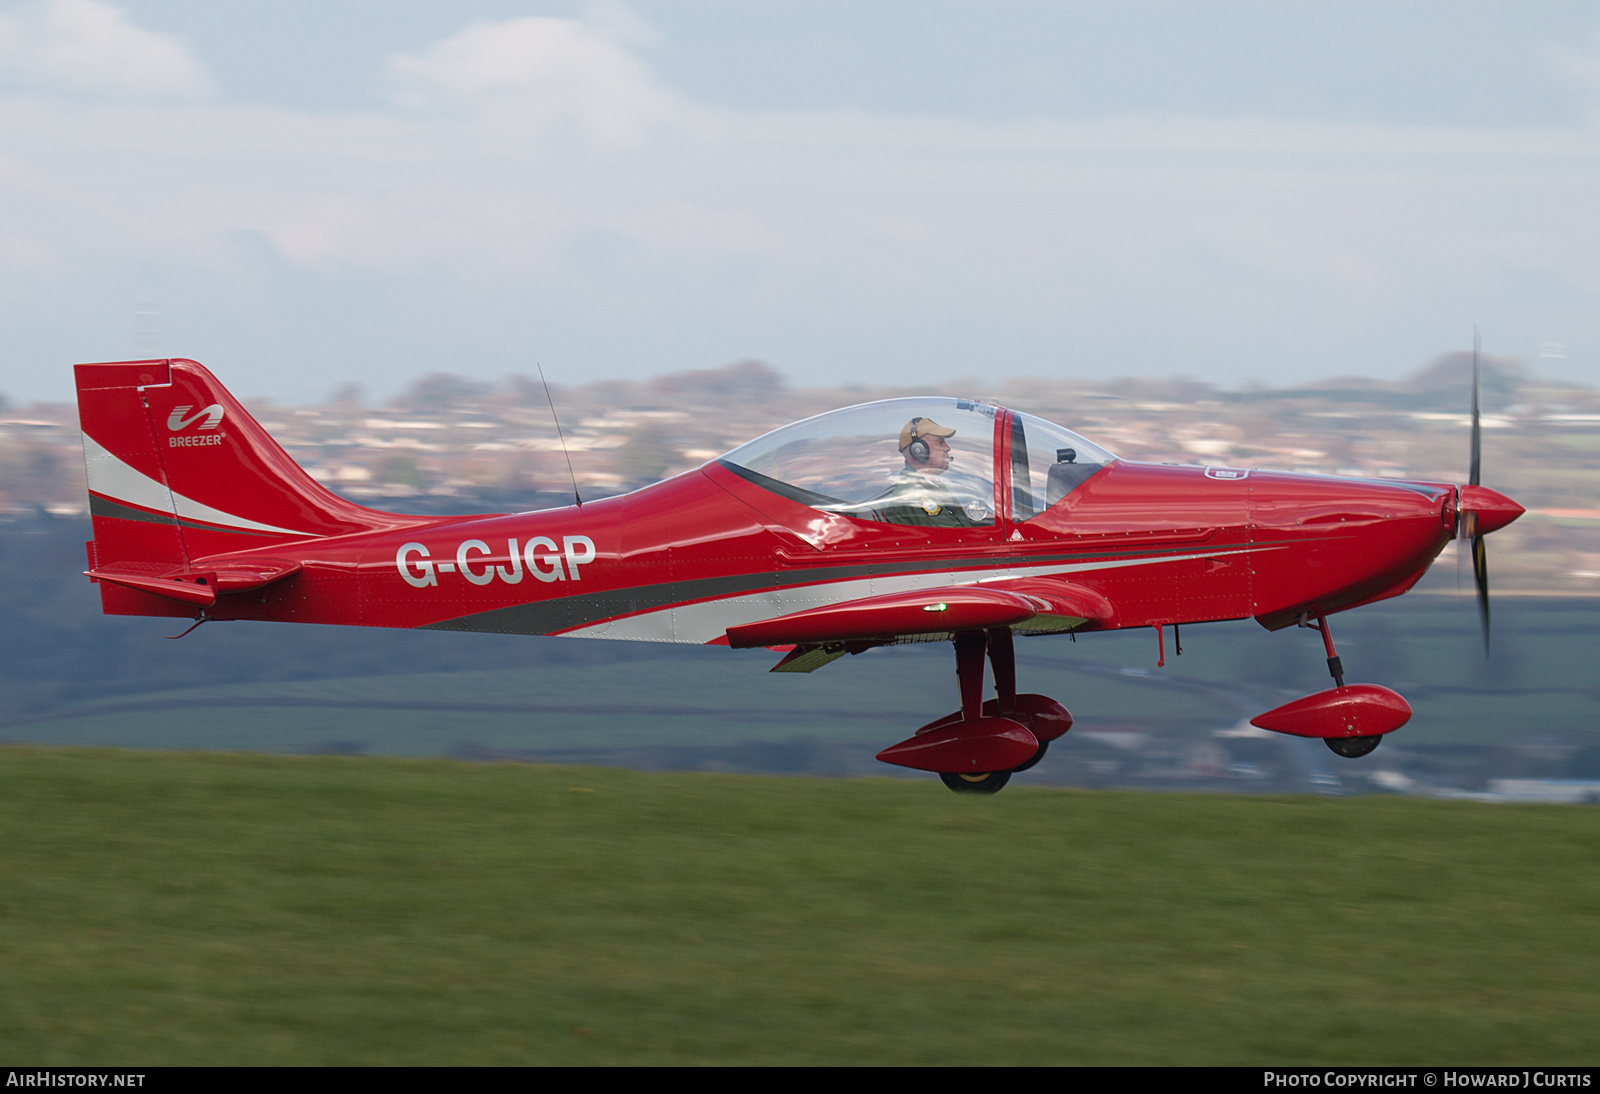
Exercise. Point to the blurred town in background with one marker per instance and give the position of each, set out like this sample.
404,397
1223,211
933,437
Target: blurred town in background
450,444
1520,724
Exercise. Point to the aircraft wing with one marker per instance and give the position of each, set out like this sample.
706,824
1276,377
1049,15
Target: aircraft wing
821,635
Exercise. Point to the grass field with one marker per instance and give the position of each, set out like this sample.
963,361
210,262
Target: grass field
161,908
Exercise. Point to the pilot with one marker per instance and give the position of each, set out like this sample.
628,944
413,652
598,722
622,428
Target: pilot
917,496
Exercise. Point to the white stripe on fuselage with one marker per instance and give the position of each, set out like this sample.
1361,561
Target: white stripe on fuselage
709,620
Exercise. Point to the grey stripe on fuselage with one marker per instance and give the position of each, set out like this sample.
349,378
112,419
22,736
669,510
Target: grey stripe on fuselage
568,612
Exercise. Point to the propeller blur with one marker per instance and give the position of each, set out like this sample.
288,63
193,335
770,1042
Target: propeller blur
907,520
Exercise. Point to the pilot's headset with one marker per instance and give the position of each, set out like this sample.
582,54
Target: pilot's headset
918,448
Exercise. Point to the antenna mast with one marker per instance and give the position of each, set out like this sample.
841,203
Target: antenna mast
559,435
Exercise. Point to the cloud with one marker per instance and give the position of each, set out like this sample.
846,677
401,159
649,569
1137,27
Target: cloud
1580,68
533,181
89,47
546,72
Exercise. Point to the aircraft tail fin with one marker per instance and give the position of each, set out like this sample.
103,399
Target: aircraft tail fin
179,470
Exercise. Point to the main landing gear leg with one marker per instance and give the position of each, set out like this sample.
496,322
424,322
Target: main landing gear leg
1003,660
1335,666
977,748
1348,747
969,671
970,648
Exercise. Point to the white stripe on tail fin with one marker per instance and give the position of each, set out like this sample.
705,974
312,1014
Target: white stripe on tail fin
179,470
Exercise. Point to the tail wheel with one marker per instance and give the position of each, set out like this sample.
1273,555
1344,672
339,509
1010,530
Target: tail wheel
1352,747
985,782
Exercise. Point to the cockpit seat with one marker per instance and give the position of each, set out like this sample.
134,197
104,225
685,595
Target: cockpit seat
1066,475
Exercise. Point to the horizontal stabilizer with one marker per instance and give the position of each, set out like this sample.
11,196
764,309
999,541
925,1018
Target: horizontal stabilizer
238,577
185,588
201,587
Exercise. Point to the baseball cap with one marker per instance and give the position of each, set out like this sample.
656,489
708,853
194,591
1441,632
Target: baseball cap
922,427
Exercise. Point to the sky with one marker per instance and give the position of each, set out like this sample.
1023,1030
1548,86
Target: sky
301,195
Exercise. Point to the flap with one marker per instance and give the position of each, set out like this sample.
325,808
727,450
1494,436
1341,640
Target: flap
810,658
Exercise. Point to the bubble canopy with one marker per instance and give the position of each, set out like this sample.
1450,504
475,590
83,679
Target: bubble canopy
925,461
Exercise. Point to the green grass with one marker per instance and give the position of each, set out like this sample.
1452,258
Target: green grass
160,908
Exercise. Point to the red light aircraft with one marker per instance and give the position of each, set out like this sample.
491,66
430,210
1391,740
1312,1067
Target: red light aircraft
909,520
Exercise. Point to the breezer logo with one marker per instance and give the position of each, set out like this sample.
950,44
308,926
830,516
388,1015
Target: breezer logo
212,415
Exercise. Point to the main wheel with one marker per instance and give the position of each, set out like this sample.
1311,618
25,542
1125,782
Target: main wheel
1352,747
1044,746
987,782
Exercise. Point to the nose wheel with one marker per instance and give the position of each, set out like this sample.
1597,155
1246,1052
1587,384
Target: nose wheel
987,782
1352,748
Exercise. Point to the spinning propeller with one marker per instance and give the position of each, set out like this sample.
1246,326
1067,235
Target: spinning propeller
1480,510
